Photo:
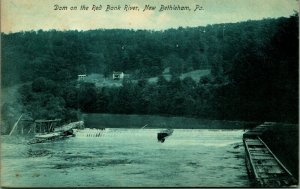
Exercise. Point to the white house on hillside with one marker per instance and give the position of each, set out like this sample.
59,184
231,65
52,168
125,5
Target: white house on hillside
81,77
118,75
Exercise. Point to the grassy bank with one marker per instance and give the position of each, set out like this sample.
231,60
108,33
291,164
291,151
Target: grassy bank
138,121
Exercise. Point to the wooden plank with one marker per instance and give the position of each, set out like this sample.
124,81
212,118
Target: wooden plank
266,162
47,121
251,161
261,157
15,125
276,170
276,158
253,142
251,139
259,150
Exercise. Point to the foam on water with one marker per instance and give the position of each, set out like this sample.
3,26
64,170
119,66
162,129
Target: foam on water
128,157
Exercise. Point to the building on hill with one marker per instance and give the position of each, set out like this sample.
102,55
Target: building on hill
81,77
118,75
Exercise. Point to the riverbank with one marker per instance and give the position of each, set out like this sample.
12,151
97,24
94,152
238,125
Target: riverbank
283,140
151,121
265,167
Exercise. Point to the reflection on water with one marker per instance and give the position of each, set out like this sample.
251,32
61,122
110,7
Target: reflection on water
128,157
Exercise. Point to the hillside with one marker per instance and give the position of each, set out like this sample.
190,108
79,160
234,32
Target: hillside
62,55
251,71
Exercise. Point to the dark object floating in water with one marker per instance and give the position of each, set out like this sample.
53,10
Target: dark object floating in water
163,134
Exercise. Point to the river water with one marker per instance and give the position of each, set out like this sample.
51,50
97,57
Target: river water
128,158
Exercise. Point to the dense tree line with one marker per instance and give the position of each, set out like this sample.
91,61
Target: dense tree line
254,71
62,55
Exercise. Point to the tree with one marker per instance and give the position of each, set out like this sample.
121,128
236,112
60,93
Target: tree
87,97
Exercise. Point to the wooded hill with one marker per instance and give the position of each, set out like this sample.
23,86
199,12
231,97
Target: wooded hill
254,70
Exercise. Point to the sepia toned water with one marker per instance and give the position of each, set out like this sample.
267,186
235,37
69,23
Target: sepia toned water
128,157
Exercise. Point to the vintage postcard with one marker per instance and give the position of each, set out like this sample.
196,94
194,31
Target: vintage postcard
149,93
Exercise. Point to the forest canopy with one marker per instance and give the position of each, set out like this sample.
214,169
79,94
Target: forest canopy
254,71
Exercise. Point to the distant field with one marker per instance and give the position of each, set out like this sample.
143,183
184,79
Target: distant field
138,121
195,75
101,81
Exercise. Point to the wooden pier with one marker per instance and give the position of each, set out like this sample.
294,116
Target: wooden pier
263,166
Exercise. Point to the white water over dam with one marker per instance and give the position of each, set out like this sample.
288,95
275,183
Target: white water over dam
128,158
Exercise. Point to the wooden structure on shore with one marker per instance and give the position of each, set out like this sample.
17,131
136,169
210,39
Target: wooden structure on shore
263,166
22,126
45,126
49,130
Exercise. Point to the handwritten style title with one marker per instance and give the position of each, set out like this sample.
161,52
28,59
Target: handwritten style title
109,8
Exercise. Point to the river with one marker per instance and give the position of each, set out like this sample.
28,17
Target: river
128,158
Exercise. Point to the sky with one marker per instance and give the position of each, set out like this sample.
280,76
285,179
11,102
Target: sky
24,15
